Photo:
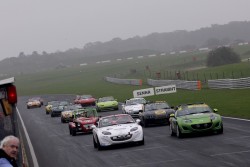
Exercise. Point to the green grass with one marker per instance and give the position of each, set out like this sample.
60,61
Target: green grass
90,80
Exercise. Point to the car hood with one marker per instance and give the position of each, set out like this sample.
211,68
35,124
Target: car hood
120,128
85,120
201,117
67,112
106,103
86,100
134,107
159,112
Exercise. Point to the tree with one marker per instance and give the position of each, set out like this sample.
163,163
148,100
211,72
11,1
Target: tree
222,56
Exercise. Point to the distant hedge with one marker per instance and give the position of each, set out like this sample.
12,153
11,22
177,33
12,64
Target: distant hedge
222,56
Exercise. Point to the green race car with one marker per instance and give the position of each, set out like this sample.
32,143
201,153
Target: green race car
195,118
107,103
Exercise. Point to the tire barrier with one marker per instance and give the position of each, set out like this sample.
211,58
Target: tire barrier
240,83
180,84
124,81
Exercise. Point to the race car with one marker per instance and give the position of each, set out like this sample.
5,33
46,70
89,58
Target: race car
156,113
48,107
39,99
58,108
133,106
85,100
67,114
33,103
195,118
117,129
82,121
107,103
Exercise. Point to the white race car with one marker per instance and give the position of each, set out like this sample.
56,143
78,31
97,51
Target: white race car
117,129
133,106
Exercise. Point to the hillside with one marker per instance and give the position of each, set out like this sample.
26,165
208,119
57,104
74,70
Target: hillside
155,43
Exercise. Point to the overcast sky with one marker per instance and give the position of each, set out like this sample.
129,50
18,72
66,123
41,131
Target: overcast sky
53,25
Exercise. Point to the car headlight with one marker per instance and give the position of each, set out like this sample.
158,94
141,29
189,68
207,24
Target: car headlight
149,116
133,129
187,120
213,117
106,133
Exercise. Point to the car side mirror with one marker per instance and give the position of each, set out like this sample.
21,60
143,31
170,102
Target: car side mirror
215,110
171,115
93,126
138,121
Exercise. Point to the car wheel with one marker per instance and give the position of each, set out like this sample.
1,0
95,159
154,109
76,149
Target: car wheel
99,147
221,129
73,132
171,130
95,144
62,120
70,131
141,142
178,132
145,123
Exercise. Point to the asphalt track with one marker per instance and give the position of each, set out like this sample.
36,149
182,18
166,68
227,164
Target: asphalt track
54,147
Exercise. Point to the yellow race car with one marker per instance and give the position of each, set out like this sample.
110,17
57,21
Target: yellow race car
67,115
33,103
48,107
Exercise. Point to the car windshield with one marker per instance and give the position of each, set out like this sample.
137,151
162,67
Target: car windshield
135,101
53,102
156,106
193,109
85,97
86,113
104,99
115,120
64,103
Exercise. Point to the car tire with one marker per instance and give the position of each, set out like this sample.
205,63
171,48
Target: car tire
62,120
145,124
142,142
171,130
178,132
99,147
73,132
221,130
95,144
70,131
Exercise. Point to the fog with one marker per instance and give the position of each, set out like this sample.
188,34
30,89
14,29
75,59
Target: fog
58,25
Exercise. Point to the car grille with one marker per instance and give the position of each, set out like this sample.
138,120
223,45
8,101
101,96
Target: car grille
201,126
121,138
162,116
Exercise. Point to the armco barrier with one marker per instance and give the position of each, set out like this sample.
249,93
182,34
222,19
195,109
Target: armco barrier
181,84
229,83
124,81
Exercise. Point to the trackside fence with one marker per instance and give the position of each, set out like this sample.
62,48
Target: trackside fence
181,84
229,83
124,81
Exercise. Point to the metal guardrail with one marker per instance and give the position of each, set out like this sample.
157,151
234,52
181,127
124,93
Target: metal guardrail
181,84
240,83
124,81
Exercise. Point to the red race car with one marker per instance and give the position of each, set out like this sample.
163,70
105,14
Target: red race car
85,100
83,119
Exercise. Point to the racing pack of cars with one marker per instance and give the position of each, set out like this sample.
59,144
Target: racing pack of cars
127,127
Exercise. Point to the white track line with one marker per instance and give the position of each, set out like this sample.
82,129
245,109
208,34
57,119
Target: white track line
32,152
